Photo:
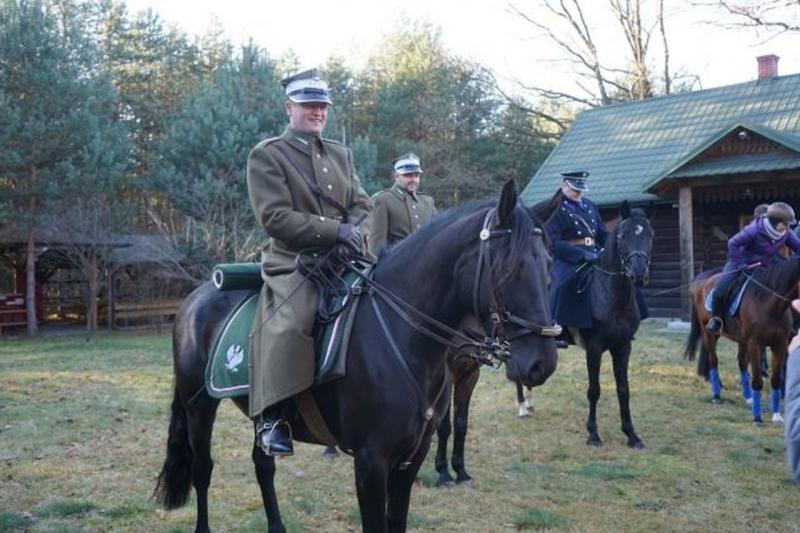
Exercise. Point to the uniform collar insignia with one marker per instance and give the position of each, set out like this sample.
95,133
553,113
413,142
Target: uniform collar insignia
402,192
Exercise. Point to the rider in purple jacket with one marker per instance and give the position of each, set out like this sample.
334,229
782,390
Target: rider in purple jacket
756,245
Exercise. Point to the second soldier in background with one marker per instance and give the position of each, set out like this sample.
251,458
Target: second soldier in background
401,209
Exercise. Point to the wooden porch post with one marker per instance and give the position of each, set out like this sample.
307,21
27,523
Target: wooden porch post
686,247
110,308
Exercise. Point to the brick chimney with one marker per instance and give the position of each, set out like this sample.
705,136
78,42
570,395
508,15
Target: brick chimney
767,66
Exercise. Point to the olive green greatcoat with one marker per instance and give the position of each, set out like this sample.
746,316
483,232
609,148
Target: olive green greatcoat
396,214
282,362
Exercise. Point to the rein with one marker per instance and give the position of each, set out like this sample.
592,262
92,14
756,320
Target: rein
494,349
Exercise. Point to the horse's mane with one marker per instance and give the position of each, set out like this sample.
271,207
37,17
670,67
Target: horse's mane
774,275
522,222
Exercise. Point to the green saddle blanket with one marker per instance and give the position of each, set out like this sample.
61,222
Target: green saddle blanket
227,371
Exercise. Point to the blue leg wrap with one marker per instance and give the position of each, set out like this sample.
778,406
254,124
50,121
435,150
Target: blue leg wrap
716,386
747,392
775,401
756,405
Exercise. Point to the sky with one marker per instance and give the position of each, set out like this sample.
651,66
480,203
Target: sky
484,31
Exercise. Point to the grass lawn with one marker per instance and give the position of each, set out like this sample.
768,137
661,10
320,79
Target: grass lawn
83,431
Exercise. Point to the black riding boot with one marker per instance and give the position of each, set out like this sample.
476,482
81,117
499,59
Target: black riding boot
273,432
715,324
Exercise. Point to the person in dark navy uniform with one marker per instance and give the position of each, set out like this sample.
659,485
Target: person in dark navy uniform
577,236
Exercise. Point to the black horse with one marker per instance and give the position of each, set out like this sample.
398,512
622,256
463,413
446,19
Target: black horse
485,259
624,264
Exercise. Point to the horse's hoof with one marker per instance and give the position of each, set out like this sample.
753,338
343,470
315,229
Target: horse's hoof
777,418
749,402
594,441
448,484
637,444
330,453
466,482
523,412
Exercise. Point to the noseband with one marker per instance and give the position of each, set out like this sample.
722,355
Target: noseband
496,346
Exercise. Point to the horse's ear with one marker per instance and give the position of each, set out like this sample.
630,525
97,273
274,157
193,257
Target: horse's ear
544,211
507,203
625,210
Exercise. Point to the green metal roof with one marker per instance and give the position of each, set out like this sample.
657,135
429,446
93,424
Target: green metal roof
629,147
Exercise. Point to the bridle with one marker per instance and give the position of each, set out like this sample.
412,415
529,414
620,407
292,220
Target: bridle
493,346
500,317
625,259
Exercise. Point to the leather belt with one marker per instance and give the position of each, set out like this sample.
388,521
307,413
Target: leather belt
585,241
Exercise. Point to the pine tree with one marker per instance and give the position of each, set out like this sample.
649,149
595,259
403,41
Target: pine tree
61,147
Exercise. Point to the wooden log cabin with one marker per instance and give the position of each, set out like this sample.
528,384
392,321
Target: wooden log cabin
704,158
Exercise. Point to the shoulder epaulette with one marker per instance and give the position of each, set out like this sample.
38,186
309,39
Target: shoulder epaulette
331,141
269,141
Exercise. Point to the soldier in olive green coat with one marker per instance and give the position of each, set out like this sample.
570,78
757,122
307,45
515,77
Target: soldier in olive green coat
400,209
305,194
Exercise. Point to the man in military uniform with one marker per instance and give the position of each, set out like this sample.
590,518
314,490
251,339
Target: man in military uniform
400,209
577,236
305,194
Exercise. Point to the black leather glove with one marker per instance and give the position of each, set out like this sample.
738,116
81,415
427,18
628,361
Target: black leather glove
342,253
590,257
349,235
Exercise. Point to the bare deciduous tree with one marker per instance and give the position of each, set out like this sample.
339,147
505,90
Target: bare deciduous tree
599,77
772,16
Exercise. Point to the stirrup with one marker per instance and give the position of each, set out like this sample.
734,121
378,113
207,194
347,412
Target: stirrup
264,431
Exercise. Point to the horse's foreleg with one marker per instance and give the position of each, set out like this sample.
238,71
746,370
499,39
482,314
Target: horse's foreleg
710,346
443,434
265,474
399,491
747,391
371,485
593,358
461,398
620,355
753,351
523,404
200,425
779,354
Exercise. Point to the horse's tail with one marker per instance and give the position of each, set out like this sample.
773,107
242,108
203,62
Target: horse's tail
694,337
175,480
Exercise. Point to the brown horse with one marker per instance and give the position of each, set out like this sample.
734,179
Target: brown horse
763,319
464,372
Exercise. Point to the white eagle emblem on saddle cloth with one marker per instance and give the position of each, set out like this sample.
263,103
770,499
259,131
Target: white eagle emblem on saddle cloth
234,357
228,367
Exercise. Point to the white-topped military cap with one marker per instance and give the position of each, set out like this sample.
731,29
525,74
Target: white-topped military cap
408,164
307,86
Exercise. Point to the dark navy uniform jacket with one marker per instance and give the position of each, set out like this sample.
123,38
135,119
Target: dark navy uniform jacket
575,229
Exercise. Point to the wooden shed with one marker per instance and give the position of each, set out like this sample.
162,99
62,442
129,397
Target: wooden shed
705,158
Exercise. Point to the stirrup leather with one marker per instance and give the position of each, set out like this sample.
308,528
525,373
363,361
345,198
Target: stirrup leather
264,431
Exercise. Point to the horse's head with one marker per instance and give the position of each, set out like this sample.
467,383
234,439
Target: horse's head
634,243
508,286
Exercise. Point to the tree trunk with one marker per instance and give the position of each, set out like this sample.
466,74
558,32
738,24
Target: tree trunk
91,314
110,281
30,270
